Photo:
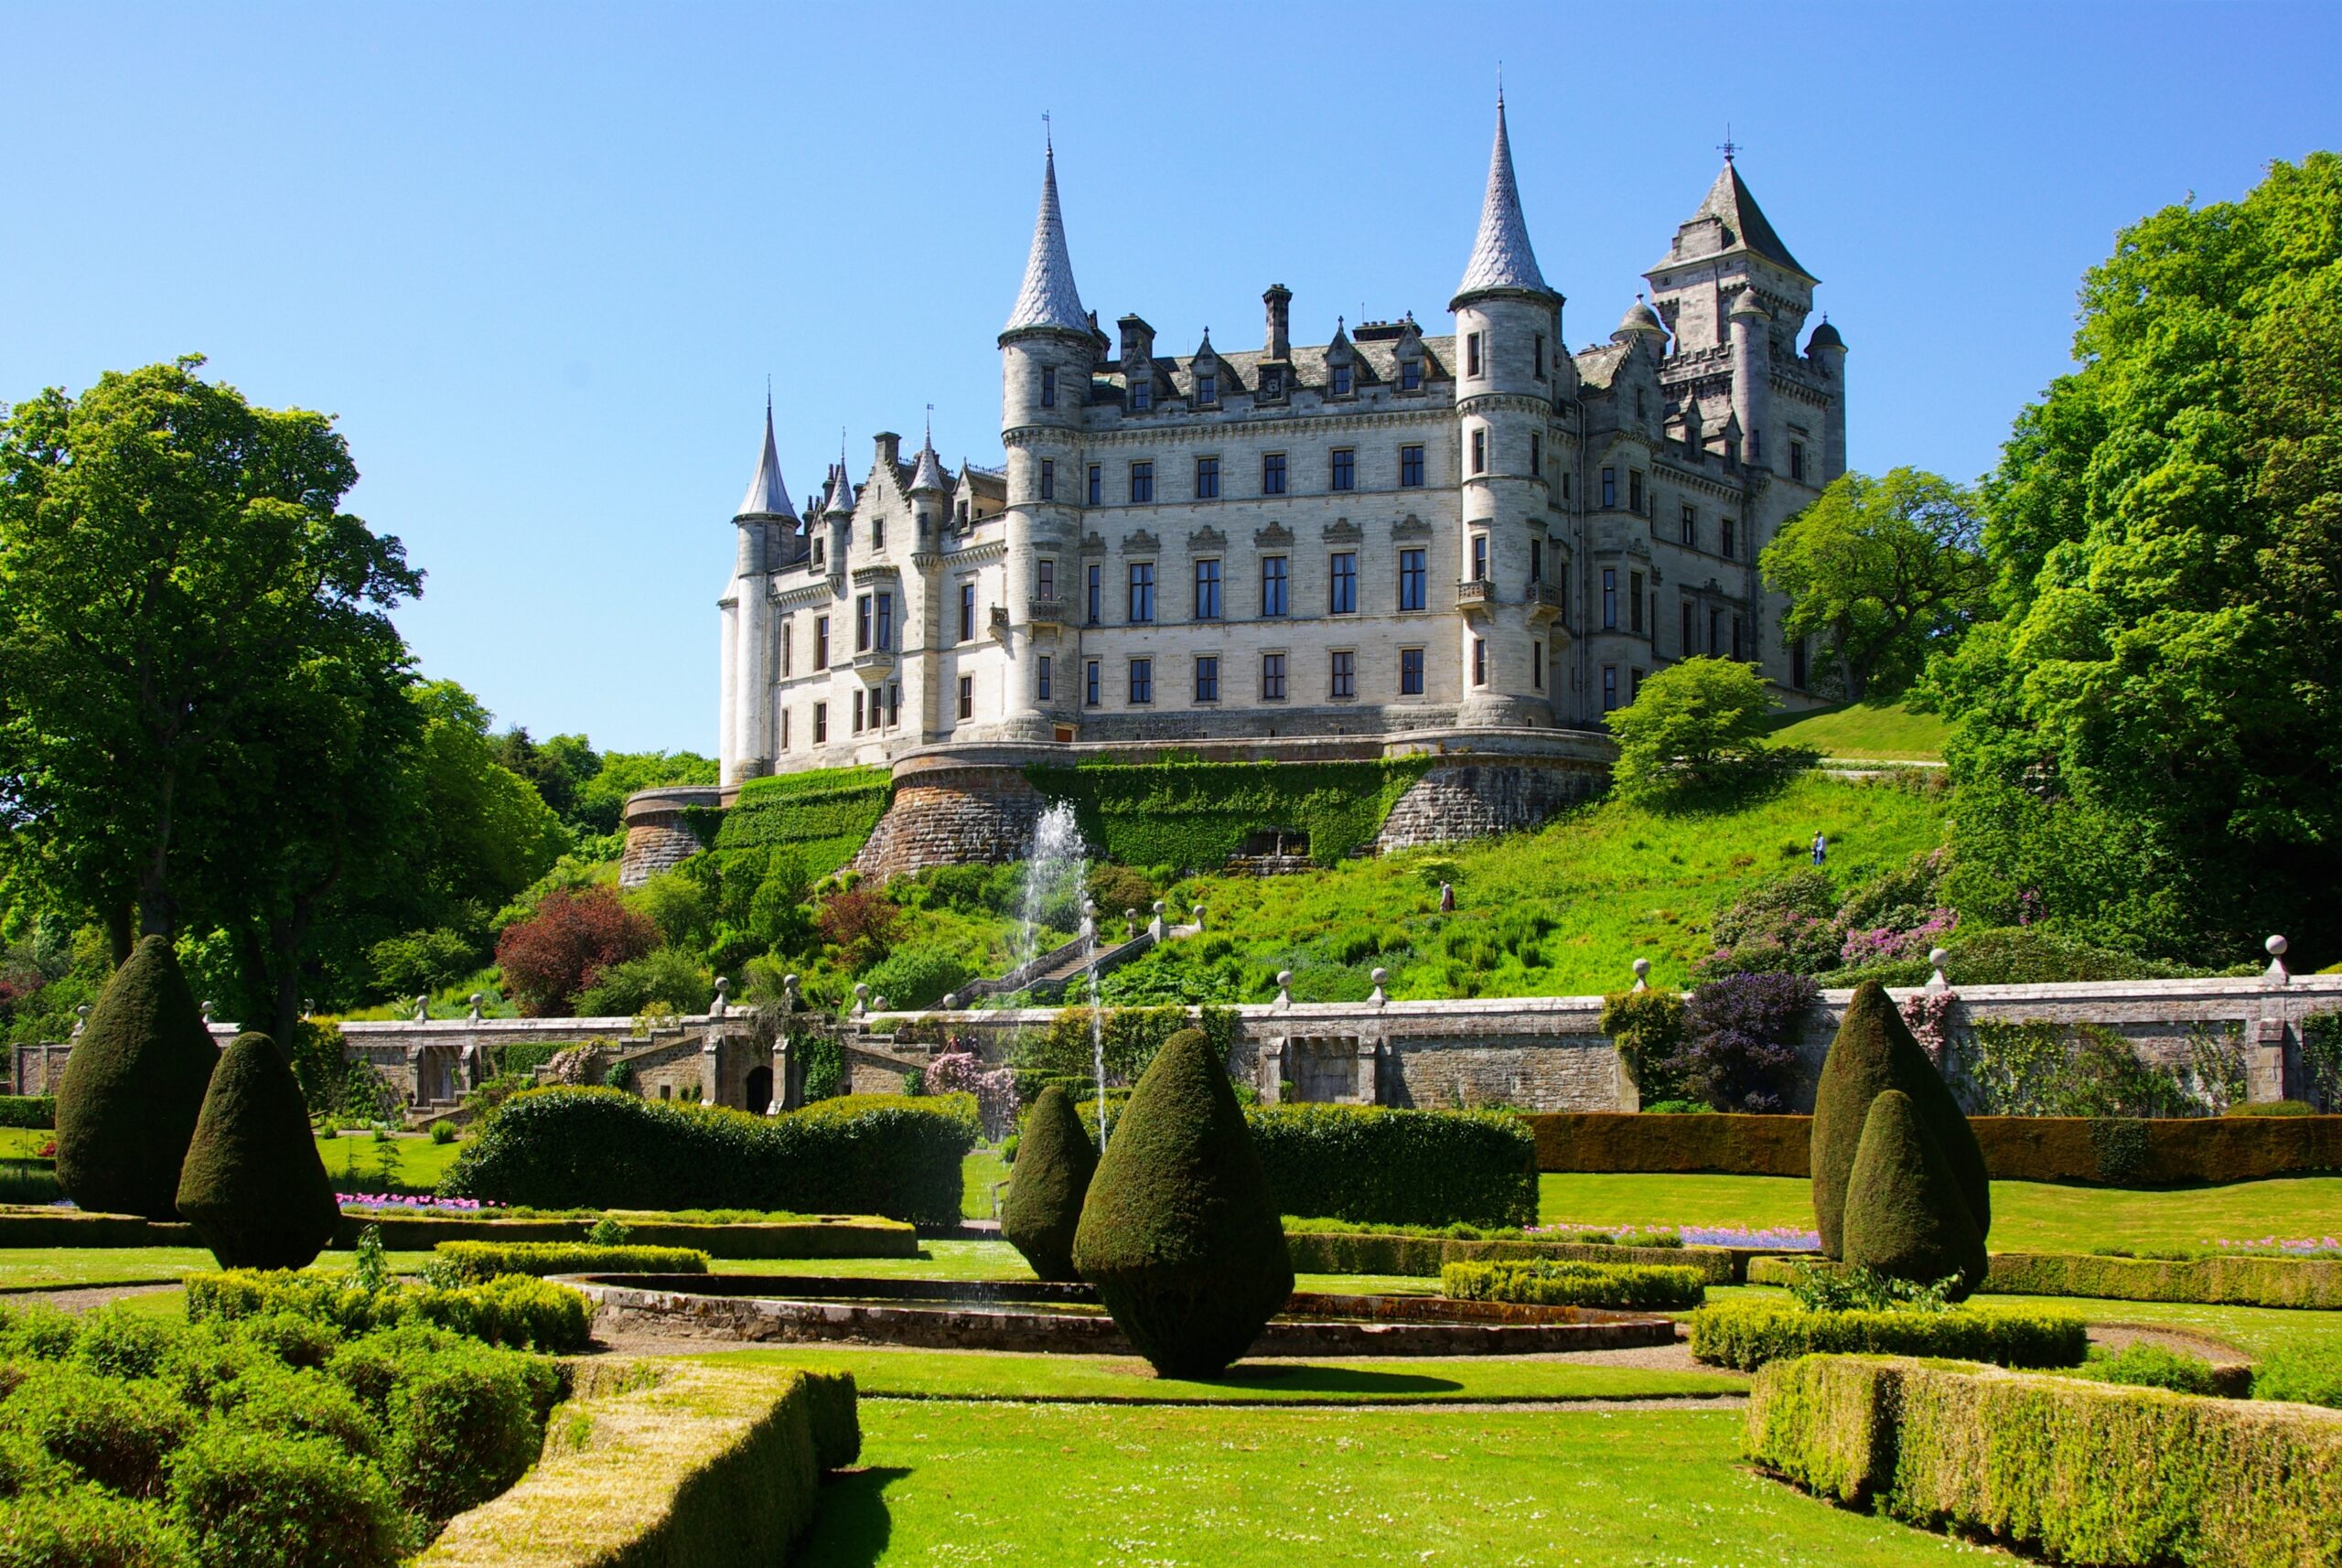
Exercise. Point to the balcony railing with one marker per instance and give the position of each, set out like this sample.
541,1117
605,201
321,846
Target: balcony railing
1474,592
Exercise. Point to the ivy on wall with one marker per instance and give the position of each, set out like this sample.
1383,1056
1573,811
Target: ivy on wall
1193,816
825,816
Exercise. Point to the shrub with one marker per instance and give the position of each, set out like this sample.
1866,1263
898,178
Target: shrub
1833,1287
2148,1366
462,1429
120,1343
2074,1471
1786,925
1663,1287
1696,728
1904,1216
861,920
253,1184
665,979
2273,1108
133,1088
1116,890
1648,1028
598,1148
1054,1164
27,1111
421,960
511,1309
1318,1251
915,977
477,1262
2302,1374
2225,1281
1737,1051
304,1403
1873,1051
1747,1334
85,1526
1397,1167
261,1499
576,933
1613,1141
116,1432
1179,1233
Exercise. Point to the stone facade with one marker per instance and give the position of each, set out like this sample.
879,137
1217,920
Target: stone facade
1389,531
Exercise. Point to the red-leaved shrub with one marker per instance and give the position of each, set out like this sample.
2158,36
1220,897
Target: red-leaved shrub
859,921
561,949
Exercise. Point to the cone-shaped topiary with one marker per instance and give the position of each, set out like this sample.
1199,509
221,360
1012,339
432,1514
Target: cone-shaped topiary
1179,1233
1875,1051
134,1088
1054,1165
253,1186
1905,1215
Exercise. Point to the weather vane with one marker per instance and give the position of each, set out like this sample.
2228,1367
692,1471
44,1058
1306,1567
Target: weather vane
1730,146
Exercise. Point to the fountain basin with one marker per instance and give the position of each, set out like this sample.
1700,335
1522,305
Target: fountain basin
957,1315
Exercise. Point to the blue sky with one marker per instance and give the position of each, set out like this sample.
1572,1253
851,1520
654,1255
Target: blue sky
540,259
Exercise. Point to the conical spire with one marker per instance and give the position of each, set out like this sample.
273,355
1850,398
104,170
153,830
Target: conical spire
1048,298
841,488
928,475
768,495
1501,256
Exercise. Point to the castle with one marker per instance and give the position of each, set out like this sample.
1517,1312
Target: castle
1392,534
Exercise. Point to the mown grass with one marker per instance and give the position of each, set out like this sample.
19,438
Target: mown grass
409,1161
2027,1215
1859,730
983,1170
69,1268
1563,911
1234,1488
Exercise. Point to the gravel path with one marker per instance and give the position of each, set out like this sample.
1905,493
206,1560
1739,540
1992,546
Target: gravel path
81,1298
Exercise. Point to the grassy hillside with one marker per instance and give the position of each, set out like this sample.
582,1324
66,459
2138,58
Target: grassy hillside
1563,911
1860,730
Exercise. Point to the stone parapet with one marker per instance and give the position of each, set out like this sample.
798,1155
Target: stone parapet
657,836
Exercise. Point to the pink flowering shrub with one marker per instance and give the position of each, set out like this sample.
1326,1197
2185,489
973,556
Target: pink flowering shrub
961,1071
1873,944
1929,1013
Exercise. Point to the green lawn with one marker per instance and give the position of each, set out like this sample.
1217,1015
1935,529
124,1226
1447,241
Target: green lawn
1860,731
979,1173
355,1161
2026,1216
962,1483
62,1268
24,1142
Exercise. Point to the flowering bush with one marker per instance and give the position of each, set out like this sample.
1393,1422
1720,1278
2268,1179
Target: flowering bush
1928,1014
2289,1246
1737,1053
961,1071
575,934
1775,1237
574,1064
1878,944
403,1200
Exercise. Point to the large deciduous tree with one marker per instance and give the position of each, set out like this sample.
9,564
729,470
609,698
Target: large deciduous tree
1693,727
2163,687
1882,572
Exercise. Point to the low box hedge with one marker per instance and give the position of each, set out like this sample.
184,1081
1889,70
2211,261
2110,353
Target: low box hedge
2209,1281
812,1236
1334,1253
2075,1471
2112,1151
46,1227
604,1148
478,1262
1397,1167
1659,1287
27,1111
1747,1335
668,1464
508,1310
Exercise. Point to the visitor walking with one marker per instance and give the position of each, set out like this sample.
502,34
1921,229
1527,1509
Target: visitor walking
1820,849
1446,898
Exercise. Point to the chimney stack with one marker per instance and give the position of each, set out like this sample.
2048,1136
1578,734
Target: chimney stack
1279,299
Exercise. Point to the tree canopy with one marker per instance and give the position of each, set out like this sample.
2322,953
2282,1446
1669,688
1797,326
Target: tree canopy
1884,572
2149,738
1694,727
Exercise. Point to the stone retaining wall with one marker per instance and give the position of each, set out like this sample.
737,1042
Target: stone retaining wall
1479,799
953,818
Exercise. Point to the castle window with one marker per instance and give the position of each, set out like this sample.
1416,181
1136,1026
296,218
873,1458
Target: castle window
784,729
967,696
967,611
1207,678
1692,525
1411,579
788,647
1041,679
1798,667
1342,596
1341,381
1048,486
1537,665
1634,601
1716,634
1690,644
1091,609
858,713
1609,488
1048,386
820,642
1736,637
1274,582
1480,557
1565,484
1207,590
1046,575
1410,375
1207,478
1142,483
1141,680
1642,408
1273,473
1047,471
1411,671
1090,684
1345,472
1797,461
1411,467
1142,592
1272,677
1481,449
878,531
1479,661
1207,389
1536,455
894,702
821,723
1272,383
1609,598
1609,688
1727,539
1341,674
883,634
1142,395
1536,560
817,549
1634,489
1634,685
1096,485
1472,354
1541,356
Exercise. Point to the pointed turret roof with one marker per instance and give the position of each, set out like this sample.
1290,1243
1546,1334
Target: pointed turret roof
1048,298
1730,205
1501,256
840,490
768,495
928,474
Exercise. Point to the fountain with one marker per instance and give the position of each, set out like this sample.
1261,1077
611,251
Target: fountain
1059,856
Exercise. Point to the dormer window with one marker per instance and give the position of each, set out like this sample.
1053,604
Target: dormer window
1341,381
1410,375
1207,389
1142,397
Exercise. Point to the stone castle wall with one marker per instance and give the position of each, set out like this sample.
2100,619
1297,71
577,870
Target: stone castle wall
1479,799
951,818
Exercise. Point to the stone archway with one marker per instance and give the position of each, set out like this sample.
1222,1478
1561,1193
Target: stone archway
756,1091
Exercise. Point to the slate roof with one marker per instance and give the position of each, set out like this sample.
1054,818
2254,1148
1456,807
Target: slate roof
1048,298
1731,205
766,496
1501,255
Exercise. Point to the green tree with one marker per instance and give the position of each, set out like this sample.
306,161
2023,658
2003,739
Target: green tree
1695,726
253,1184
1884,572
1055,1161
1905,1217
180,593
2165,682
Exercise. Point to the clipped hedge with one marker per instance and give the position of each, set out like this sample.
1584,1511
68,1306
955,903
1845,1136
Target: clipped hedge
667,1464
478,1262
510,1310
1397,1167
27,1111
2071,1470
1748,1334
2112,1151
2313,1282
1661,1287
1193,814
825,816
45,1226
1336,1252
814,1236
604,1148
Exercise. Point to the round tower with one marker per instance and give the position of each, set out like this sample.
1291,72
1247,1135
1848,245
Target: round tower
1507,335
1827,353
1752,375
745,742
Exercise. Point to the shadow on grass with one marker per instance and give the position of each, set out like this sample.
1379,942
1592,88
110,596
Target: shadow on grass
1735,784
1319,1381
852,1526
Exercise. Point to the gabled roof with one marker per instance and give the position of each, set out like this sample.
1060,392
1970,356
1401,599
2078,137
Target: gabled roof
1048,298
1742,223
768,495
1501,255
